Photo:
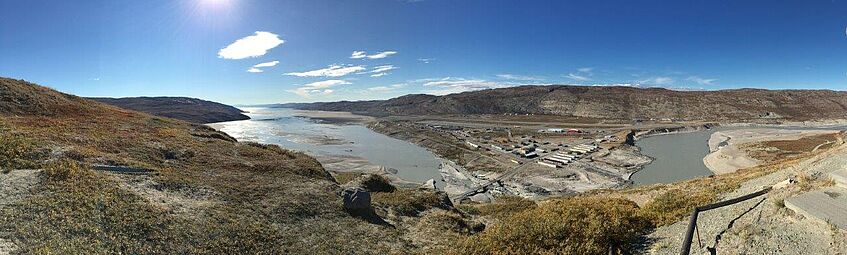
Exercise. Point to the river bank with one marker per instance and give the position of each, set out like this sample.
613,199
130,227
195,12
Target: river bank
728,153
340,141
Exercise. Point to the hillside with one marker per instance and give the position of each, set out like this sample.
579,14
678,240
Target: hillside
206,194
620,103
183,108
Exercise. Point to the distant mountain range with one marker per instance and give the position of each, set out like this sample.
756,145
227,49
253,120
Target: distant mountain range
611,102
183,108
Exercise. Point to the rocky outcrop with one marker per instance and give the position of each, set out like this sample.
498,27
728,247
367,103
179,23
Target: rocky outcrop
356,199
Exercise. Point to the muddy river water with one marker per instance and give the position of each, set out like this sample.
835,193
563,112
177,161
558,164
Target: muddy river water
280,126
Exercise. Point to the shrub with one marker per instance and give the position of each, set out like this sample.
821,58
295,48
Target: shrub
409,202
441,220
572,226
16,152
505,206
673,205
65,170
376,183
345,177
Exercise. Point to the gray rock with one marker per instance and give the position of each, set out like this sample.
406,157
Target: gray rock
356,198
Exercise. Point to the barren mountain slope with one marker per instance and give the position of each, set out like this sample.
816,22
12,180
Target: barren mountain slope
621,103
183,108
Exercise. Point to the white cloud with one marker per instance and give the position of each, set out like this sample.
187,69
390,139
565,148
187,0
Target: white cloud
578,77
267,64
701,81
426,60
326,84
318,88
582,74
657,81
382,69
383,54
255,68
358,54
381,89
361,54
450,85
251,46
520,77
331,71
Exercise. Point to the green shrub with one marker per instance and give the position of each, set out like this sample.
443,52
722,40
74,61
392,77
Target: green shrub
16,152
65,170
571,226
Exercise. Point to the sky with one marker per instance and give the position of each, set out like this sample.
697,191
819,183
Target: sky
275,51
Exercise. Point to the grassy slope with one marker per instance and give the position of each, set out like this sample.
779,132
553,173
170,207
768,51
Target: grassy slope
263,199
183,108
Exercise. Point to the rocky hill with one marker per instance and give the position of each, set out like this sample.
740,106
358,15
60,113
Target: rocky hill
183,108
203,191
612,102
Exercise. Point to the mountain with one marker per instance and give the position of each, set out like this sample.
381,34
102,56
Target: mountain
183,108
611,102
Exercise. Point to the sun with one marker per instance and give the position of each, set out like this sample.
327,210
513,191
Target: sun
216,3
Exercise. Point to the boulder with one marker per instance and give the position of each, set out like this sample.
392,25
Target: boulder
356,199
430,184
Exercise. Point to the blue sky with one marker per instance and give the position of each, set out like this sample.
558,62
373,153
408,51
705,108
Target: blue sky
315,50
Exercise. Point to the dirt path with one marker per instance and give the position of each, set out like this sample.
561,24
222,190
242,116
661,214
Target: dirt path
14,186
762,225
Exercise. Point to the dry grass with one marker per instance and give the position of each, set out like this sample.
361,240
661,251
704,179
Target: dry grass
267,200
770,151
502,207
673,205
345,177
808,182
584,225
410,202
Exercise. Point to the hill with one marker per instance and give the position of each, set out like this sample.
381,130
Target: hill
183,108
206,193
612,102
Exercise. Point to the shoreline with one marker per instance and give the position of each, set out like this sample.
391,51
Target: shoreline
340,163
729,157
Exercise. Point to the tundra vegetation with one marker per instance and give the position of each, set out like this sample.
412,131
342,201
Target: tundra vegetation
209,194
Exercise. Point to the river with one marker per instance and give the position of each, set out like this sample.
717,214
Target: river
280,126
677,157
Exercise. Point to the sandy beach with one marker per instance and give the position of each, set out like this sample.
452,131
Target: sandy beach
334,117
727,156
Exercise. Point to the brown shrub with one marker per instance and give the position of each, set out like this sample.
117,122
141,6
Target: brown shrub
376,183
504,206
586,225
410,202
674,205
